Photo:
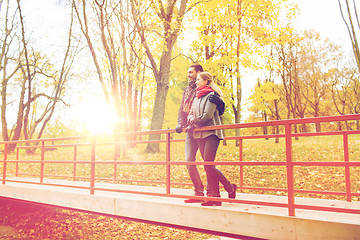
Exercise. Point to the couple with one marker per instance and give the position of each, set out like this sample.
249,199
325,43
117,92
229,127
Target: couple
201,106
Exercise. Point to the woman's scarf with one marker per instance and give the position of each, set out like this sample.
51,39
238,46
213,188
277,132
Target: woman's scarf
189,96
203,90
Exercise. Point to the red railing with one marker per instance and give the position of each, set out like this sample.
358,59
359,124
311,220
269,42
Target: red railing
288,135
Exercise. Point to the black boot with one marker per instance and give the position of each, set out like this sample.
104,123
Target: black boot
233,193
211,203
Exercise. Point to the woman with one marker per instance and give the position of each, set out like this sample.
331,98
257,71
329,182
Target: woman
205,113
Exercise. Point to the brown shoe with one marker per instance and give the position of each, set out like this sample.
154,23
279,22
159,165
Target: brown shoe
192,200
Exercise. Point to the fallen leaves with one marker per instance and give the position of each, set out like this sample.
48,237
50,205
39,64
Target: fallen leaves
30,221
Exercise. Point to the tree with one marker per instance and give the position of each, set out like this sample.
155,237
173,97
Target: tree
351,20
318,58
283,66
265,101
231,43
9,65
117,58
311,78
165,27
345,92
36,87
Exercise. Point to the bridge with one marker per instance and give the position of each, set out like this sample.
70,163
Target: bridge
284,214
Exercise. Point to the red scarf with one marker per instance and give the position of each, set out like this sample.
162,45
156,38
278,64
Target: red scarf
203,90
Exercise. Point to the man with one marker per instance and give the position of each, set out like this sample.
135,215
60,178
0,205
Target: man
191,145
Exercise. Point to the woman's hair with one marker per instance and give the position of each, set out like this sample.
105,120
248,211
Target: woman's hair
210,82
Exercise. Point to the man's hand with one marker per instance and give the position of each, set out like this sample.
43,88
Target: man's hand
190,128
178,129
219,103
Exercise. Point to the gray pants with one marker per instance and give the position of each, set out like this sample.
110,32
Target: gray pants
191,147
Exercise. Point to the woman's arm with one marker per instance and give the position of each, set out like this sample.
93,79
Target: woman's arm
206,116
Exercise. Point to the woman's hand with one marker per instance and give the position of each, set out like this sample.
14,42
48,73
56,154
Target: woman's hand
190,120
194,121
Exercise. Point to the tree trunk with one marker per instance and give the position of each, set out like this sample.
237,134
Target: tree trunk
304,128
316,114
157,116
3,110
169,13
352,29
265,128
27,74
277,114
238,77
277,131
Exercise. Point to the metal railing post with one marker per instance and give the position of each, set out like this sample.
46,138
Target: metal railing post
289,170
241,185
42,162
115,168
168,163
93,156
347,168
74,167
115,160
17,162
4,163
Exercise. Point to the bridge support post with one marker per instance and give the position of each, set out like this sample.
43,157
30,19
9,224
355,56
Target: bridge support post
241,184
74,166
93,156
17,163
168,163
347,168
4,163
42,162
289,170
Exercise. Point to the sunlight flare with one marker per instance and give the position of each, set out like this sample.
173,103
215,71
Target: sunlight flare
96,116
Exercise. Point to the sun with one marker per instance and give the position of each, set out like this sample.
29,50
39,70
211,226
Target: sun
96,116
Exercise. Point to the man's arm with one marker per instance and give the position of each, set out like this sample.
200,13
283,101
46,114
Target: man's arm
182,118
215,98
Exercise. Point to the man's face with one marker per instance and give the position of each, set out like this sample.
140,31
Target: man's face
192,74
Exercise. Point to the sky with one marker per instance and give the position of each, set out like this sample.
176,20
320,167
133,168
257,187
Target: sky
323,16
48,20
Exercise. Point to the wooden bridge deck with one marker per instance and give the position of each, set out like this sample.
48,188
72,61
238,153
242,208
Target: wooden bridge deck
231,219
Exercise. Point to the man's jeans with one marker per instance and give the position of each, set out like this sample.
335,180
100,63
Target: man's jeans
191,147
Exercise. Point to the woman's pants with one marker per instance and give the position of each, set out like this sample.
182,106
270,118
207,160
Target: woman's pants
208,147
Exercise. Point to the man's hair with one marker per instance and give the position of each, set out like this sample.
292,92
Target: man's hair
197,67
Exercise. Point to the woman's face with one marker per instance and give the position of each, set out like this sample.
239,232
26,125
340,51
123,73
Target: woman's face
200,82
